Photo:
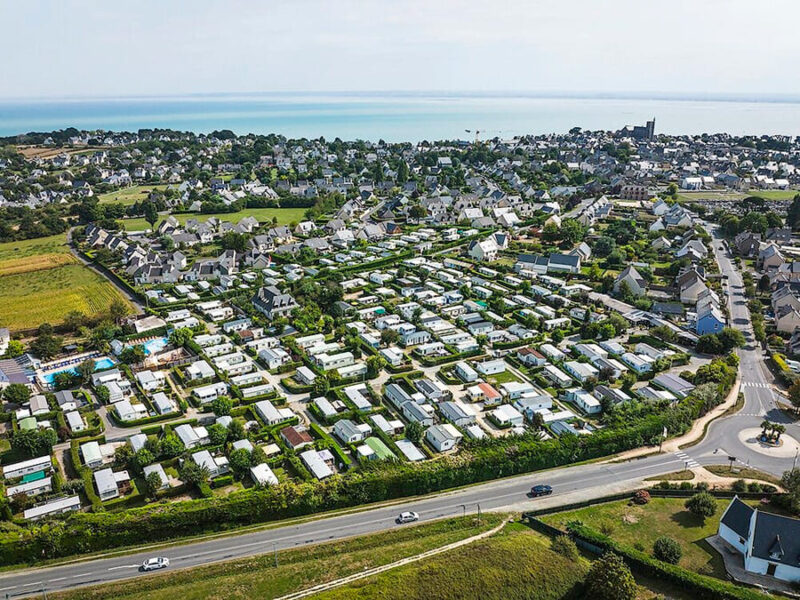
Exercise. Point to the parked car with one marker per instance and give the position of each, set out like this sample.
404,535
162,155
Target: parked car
541,490
153,564
407,517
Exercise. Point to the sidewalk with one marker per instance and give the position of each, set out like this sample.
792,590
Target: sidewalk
695,434
399,563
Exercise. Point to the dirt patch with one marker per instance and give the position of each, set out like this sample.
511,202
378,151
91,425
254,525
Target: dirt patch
630,519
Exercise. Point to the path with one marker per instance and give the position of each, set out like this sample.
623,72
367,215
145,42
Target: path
323,587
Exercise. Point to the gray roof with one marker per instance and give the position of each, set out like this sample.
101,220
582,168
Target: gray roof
777,538
737,516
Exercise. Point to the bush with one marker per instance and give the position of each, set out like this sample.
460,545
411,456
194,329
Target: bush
740,485
668,550
754,487
641,497
610,579
702,505
686,485
565,546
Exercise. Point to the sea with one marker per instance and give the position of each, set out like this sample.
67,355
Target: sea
405,116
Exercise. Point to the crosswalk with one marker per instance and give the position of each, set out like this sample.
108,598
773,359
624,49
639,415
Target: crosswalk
690,462
756,384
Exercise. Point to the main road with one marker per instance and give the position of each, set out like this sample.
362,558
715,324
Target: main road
723,439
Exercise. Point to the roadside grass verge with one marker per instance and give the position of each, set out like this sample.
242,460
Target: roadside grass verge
258,577
685,475
742,473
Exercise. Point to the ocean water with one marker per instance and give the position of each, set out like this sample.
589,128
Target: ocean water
401,116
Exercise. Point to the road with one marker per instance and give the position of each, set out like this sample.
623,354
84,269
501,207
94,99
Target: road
722,440
757,386
490,496
132,298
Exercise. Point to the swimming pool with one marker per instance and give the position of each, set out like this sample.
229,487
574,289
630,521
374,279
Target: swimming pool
100,364
155,346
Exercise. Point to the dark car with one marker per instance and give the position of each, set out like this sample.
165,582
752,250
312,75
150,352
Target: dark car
541,490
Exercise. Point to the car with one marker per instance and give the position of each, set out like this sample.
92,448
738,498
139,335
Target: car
153,564
407,517
541,490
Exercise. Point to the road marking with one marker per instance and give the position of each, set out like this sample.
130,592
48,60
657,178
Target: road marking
81,575
123,567
58,579
30,584
13,587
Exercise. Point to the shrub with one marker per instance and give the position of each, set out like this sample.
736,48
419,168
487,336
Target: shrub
740,485
754,487
702,505
564,546
610,579
667,550
686,485
641,497
702,486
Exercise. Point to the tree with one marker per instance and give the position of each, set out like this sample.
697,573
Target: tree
731,338
118,310
217,434
221,406
132,354
793,214
389,336
34,442
179,337
194,474
321,385
794,395
150,211
668,550
374,365
153,483
709,344
609,578
702,504
604,246
17,393
240,462
571,231
791,483
414,431
85,370
565,546
15,349
171,446
102,394
46,345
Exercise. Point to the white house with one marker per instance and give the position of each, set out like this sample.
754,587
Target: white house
443,437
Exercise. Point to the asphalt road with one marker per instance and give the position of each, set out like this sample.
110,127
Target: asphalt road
492,495
721,441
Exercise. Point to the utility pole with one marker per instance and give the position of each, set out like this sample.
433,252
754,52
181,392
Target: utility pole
479,512
463,511
275,553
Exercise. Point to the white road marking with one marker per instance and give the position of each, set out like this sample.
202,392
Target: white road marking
13,587
123,567
81,575
58,579
30,584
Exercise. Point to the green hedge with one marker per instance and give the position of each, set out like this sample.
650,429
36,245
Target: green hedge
700,586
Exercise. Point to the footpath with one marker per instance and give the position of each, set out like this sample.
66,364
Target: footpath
322,587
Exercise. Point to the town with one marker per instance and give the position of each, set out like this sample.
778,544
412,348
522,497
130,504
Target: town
312,324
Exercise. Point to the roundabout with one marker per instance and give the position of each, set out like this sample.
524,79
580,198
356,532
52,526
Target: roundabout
787,446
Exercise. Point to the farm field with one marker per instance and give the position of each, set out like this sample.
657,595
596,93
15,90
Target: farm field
284,216
40,281
130,195
726,195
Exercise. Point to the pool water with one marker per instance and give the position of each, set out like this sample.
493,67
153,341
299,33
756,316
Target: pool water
100,364
155,346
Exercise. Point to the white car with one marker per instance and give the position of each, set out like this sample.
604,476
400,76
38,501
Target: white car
407,517
153,564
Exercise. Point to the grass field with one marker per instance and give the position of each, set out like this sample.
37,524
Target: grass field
129,195
724,195
257,577
742,473
640,526
284,215
40,281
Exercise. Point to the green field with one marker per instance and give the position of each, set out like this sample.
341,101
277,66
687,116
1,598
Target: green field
284,216
28,299
129,195
257,577
642,525
40,281
724,195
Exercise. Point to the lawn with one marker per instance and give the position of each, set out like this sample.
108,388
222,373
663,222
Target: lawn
264,215
28,299
129,195
257,577
505,377
639,526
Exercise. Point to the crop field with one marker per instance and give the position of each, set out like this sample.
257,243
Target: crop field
40,282
264,215
130,195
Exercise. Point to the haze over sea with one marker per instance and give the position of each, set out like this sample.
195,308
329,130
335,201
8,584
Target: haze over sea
405,116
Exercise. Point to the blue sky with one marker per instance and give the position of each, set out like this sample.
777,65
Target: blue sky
58,48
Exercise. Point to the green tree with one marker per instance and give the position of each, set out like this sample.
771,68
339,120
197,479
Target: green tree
609,578
102,394
731,338
85,370
571,231
118,310
34,442
793,213
668,550
171,446
240,462
194,474
15,349
794,394
414,431
791,483
150,211
221,406
321,385
152,484
179,337
702,504
46,345
132,354
17,393
217,434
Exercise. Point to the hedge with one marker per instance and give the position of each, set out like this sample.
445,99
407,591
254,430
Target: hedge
700,586
479,462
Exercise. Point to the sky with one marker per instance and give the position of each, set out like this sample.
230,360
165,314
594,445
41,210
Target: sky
65,48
